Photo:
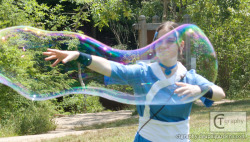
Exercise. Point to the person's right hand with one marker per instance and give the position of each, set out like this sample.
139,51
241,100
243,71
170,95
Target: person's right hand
60,55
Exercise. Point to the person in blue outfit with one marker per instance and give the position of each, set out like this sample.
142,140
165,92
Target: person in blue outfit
158,123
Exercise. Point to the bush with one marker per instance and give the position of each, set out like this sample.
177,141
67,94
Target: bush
78,103
21,116
36,119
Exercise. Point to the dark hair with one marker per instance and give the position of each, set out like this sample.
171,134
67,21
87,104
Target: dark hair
169,25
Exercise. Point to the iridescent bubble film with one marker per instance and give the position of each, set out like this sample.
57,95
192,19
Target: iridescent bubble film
23,68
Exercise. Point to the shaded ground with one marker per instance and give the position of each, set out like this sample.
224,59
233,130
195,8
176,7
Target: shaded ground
67,124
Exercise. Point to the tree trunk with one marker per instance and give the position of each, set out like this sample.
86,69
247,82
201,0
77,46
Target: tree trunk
165,10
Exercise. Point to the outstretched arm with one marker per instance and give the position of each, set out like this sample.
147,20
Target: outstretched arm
97,64
100,65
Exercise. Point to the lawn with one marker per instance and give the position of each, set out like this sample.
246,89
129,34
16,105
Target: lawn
124,130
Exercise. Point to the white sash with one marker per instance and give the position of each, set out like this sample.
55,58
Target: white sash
156,130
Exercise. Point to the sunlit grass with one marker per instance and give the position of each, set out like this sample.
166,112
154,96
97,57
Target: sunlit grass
199,125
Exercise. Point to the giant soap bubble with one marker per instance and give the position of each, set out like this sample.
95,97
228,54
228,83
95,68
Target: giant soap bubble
22,65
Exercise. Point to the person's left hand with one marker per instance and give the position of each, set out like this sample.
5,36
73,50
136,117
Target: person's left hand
187,89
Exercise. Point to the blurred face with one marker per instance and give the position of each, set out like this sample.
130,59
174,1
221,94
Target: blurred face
168,48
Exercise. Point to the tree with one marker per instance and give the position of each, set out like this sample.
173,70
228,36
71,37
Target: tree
226,25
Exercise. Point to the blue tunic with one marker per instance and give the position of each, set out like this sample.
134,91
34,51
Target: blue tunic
139,75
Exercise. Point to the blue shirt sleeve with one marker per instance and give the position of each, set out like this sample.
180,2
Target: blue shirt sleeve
200,80
125,74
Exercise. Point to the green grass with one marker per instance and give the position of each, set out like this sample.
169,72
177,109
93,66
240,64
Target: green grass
200,120
124,130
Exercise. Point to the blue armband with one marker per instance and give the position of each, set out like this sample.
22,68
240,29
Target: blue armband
84,59
209,93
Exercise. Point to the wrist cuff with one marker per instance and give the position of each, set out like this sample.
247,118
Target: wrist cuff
209,93
84,59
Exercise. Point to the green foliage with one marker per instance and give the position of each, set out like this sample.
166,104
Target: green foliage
120,47
28,68
150,9
108,104
36,118
226,25
12,15
113,10
50,17
20,116
92,104
79,103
